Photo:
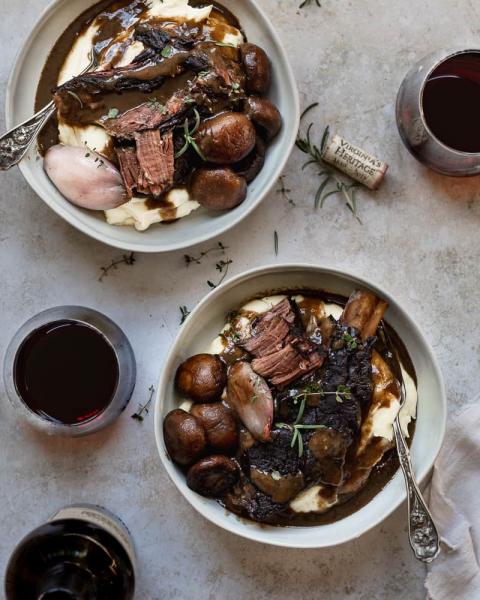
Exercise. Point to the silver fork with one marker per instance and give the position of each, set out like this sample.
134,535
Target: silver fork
422,531
15,143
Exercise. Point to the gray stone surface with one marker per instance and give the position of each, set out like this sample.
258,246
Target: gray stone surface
419,239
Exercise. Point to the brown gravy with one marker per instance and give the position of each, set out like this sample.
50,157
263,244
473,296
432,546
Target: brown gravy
115,20
383,472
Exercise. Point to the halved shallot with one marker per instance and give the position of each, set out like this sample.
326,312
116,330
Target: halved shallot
85,177
250,397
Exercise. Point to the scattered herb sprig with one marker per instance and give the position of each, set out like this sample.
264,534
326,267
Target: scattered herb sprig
315,153
350,341
284,191
222,267
188,137
275,242
188,258
184,312
138,416
126,259
309,3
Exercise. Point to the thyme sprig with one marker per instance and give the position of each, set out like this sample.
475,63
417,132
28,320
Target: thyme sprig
222,267
329,175
341,392
138,416
284,191
309,3
188,258
184,312
126,259
188,137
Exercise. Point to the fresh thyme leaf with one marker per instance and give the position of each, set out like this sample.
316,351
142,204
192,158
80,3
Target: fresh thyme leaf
126,259
301,410
113,113
304,144
350,341
76,96
300,443
275,242
155,104
343,392
188,258
167,51
138,416
184,314
275,475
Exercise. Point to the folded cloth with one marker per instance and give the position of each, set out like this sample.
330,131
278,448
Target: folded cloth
455,504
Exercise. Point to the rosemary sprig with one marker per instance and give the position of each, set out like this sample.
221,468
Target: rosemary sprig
309,3
222,267
188,137
275,242
138,416
188,258
341,392
184,312
324,191
126,259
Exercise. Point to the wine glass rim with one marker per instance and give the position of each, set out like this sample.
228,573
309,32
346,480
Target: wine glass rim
448,56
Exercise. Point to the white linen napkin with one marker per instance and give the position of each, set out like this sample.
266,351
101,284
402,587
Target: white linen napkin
455,504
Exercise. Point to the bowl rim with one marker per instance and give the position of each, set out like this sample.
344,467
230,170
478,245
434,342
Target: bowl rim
165,376
155,247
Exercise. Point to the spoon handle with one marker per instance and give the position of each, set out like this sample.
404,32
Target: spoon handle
15,143
422,531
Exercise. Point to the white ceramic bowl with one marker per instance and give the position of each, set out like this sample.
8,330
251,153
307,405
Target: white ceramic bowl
201,225
203,325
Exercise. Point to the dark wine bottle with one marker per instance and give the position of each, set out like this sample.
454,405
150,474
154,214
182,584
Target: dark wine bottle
82,553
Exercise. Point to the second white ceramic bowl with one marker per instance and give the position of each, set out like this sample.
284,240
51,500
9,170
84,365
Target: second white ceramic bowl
201,225
203,325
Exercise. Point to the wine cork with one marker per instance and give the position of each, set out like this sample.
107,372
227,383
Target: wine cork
355,162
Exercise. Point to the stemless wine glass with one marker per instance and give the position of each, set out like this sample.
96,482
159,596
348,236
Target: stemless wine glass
413,126
115,338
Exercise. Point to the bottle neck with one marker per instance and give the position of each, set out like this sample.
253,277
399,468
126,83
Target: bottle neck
67,582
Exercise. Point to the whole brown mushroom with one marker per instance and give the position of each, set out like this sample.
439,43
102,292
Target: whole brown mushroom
184,436
264,115
220,425
257,68
218,188
226,138
252,164
213,476
202,377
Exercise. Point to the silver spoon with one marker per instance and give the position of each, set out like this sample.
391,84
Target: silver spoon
15,143
422,531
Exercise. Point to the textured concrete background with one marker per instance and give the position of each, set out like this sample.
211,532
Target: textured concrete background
419,239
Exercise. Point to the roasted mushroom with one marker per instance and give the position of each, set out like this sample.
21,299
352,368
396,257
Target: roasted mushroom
257,68
184,436
226,138
252,164
219,424
218,188
213,476
202,378
264,115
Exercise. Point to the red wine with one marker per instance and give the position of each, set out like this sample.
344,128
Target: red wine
82,553
451,102
66,371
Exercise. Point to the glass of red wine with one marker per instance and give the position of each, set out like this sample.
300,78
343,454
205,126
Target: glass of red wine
69,371
438,112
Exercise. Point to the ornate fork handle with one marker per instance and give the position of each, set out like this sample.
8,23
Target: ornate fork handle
422,532
15,143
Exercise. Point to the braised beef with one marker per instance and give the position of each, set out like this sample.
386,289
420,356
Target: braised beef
277,455
129,168
155,157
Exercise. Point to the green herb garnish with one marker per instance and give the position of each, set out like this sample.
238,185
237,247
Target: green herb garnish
222,267
113,113
127,259
350,341
346,190
188,258
167,51
275,242
189,139
184,314
138,416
